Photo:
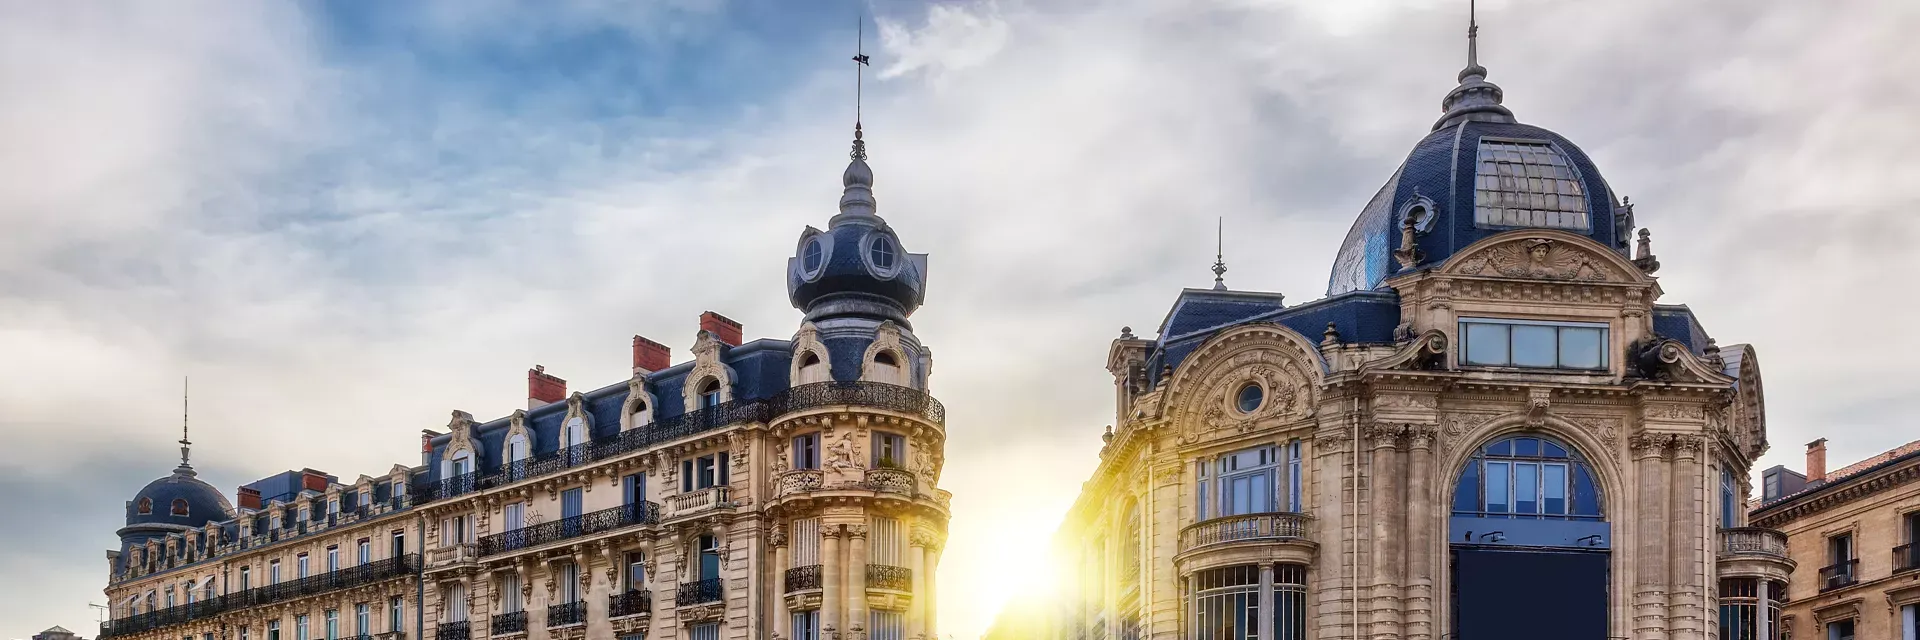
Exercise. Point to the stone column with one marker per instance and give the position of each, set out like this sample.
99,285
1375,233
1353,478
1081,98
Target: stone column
782,560
1684,614
1419,534
933,588
917,561
856,578
1388,528
1263,628
1650,550
832,569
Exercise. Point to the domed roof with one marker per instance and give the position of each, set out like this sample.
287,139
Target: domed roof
1480,172
179,499
857,267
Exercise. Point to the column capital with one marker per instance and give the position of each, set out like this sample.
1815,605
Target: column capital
1649,445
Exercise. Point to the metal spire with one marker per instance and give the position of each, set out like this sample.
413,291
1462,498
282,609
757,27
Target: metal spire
185,444
1473,37
1474,99
1219,255
859,83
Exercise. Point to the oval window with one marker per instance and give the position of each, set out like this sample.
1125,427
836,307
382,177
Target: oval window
812,257
1249,398
882,253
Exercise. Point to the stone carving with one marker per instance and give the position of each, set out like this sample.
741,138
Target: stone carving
780,457
1286,390
461,428
886,337
805,340
1677,412
1539,399
1460,424
1537,258
707,367
844,453
1650,443
1606,430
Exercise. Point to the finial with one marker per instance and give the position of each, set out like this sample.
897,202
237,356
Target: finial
1407,255
1107,438
185,444
1330,337
1474,98
857,205
860,62
1219,255
1473,43
1126,333
1643,253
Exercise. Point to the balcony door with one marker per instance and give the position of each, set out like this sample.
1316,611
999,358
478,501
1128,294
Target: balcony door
569,510
709,558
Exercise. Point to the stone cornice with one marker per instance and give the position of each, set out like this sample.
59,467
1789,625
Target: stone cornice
1833,495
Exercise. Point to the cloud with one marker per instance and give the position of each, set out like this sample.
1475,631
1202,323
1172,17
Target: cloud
345,224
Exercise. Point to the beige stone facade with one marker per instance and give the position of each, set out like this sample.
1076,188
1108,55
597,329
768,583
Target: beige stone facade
1850,534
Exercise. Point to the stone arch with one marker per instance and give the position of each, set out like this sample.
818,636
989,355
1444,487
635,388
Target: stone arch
707,369
1544,254
1286,365
1601,456
887,345
807,344
640,407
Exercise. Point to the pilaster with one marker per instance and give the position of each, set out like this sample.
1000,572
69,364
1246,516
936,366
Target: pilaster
1650,511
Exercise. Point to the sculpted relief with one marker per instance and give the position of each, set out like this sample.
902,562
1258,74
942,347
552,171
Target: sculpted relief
1213,409
1538,258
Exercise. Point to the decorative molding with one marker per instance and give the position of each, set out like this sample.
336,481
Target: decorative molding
1542,256
706,366
886,337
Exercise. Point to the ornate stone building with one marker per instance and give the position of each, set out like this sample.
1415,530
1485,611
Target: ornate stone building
1851,534
1491,428
764,489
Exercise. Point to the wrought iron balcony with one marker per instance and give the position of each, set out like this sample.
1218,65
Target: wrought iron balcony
1252,526
800,398
881,576
510,623
453,631
1753,541
889,480
567,614
586,524
1904,559
350,577
631,603
803,578
699,592
1839,575
697,500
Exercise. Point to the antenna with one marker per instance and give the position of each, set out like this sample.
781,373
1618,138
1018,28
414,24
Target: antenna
1219,254
861,61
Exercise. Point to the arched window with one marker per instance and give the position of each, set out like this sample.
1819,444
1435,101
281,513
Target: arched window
1527,476
145,506
812,368
179,507
641,414
886,368
710,394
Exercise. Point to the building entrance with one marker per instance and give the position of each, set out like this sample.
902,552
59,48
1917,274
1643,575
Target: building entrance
1512,593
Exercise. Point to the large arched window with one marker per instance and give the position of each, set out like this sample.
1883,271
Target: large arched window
1527,476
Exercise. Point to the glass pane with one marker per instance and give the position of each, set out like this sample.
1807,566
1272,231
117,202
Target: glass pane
1553,489
1553,450
1526,487
1466,497
1533,346
1497,487
1582,348
1586,499
1486,343
1501,448
1526,447
1262,495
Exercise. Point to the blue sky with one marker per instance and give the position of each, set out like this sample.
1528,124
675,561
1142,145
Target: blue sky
345,219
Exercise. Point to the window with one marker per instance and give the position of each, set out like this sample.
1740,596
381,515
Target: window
636,572
510,593
633,489
1225,603
206,589
1840,570
396,613
710,394
306,514
333,559
1289,602
399,544
640,414
333,506
1529,344
456,602
273,572
1527,184
145,506
806,543
812,257
709,558
704,472
1527,477
243,632
1293,477
886,368
1770,487
179,507
1238,483
1728,513
300,566
333,624
515,514
886,625
711,631
1740,608
300,627
882,254
889,450
569,583
806,625
806,451
273,630
365,550
275,520
812,369
886,542
1840,630
246,578
1249,398
362,619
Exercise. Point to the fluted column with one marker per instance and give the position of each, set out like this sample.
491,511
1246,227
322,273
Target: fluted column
856,577
1650,550
933,588
777,537
832,570
1684,614
921,602
1418,600
1387,535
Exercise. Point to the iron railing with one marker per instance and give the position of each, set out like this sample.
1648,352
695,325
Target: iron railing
1253,526
1753,541
453,631
1904,559
1839,574
807,396
631,603
885,480
291,528
362,575
567,613
601,521
699,592
510,623
881,576
803,578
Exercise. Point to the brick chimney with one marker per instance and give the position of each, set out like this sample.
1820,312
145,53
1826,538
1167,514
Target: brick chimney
250,498
650,356
1817,461
311,480
722,327
543,388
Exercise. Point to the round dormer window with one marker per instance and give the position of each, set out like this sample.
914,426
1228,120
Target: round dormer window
813,256
1249,397
882,253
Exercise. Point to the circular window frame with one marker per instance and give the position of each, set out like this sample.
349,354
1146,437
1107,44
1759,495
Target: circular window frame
825,242
1233,400
1422,224
866,254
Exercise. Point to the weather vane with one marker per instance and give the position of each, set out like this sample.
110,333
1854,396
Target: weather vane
861,61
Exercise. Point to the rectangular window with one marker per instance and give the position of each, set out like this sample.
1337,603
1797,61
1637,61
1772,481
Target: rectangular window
273,630
1241,482
570,583
633,489
273,572
1498,495
306,514
243,632
399,545
300,565
1526,487
805,539
275,522
886,542
1293,477
396,614
704,472
709,631
1840,548
1531,344
333,559
1225,603
1203,492
362,619
686,476
365,550
300,627
333,624
806,455
886,625
456,602
636,572
1840,630
806,625
515,513
889,450
510,593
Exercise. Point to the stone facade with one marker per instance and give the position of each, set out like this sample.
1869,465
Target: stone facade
1850,534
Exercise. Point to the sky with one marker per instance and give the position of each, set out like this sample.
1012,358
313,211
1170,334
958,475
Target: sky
345,219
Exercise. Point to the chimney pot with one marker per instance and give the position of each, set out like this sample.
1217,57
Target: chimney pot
1817,461
250,498
650,356
544,388
723,328
312,480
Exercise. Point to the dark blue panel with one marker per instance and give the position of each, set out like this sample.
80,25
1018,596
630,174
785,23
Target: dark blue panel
605,408
1193,314
1518,595
1677,322
843,356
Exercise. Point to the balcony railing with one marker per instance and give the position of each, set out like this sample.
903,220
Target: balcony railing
510,623
362,575
880,576
807,396
800,481
451,555
699,592
803,578
885,480
1839,575
1253,526
697,500
586,524
567,614
453,631
1753,541
631,603
1904,559
227,544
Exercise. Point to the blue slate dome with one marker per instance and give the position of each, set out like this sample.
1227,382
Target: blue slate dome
202,502
857,267
1479,173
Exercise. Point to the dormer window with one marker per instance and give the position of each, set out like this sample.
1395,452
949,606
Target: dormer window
812,368
710,394
1532,344
813,257
145,506
881,253
179,507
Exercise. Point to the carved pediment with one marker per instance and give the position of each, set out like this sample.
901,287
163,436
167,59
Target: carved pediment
1655,358
461,428
707,367
1427,352
805,340
1203,399
1538,254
